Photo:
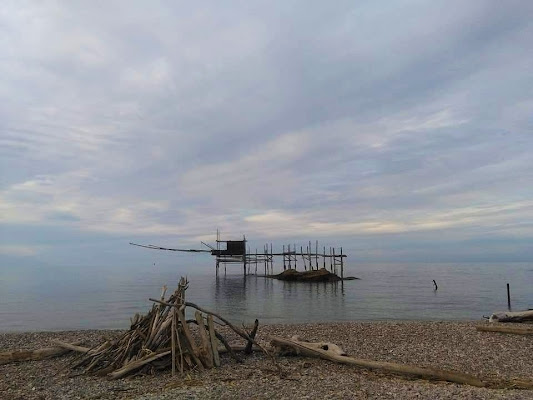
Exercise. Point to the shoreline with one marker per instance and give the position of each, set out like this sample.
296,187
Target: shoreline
452,345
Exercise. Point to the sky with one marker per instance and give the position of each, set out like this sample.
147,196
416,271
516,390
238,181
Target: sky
401,130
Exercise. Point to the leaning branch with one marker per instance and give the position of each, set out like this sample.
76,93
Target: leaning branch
322,350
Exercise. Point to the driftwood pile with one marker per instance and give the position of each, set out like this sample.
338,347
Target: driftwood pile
162,339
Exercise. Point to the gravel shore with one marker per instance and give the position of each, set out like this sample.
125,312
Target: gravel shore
448,345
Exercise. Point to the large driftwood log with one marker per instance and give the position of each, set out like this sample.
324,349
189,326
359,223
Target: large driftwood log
509,316
332,352
32,355
506,329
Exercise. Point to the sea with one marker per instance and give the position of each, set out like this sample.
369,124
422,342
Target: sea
84,297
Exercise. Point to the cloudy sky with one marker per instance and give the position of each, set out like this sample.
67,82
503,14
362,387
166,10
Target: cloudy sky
402,130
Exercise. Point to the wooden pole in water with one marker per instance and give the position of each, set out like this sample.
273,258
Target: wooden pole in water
330,259
295,257
342,265
316,255
303,257
284,266
290,258
310,259
334,262
271,260
324,257
245,254
508,297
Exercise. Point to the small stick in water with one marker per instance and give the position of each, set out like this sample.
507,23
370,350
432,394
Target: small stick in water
435,283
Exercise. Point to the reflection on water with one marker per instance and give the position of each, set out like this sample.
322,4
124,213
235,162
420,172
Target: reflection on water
271,300
34,299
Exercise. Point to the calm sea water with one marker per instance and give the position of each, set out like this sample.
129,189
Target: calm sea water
37,299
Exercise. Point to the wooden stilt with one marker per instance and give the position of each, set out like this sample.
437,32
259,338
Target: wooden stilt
342,265
316,255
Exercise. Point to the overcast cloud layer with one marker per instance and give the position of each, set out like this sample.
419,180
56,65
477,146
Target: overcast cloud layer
401,129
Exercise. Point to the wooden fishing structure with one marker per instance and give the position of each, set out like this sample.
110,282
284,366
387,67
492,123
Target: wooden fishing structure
237,252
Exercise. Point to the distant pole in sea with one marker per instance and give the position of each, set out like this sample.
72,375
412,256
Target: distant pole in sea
508,297
284,266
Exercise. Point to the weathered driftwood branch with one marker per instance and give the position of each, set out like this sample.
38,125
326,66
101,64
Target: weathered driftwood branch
213,338
222,339
119,373
506,329
235,329
72,347
332,352
508,316
32,355
189,340
239,332
206,350
248,348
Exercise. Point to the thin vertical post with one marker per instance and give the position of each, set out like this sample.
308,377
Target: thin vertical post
316,255
218,250
271,260
244,258
508,297
334,262
342,265
284,266
330,259
324,257
295,257
290,258
310,259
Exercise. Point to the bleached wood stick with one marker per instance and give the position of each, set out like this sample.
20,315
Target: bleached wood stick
189,340
73,347
506,329
248,349
173,342
213,338
119,373
207,352
238,331
31,355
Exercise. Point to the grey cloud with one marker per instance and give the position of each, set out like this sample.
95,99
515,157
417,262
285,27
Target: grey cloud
178,118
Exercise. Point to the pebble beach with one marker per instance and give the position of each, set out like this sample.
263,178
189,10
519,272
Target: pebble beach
446,345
